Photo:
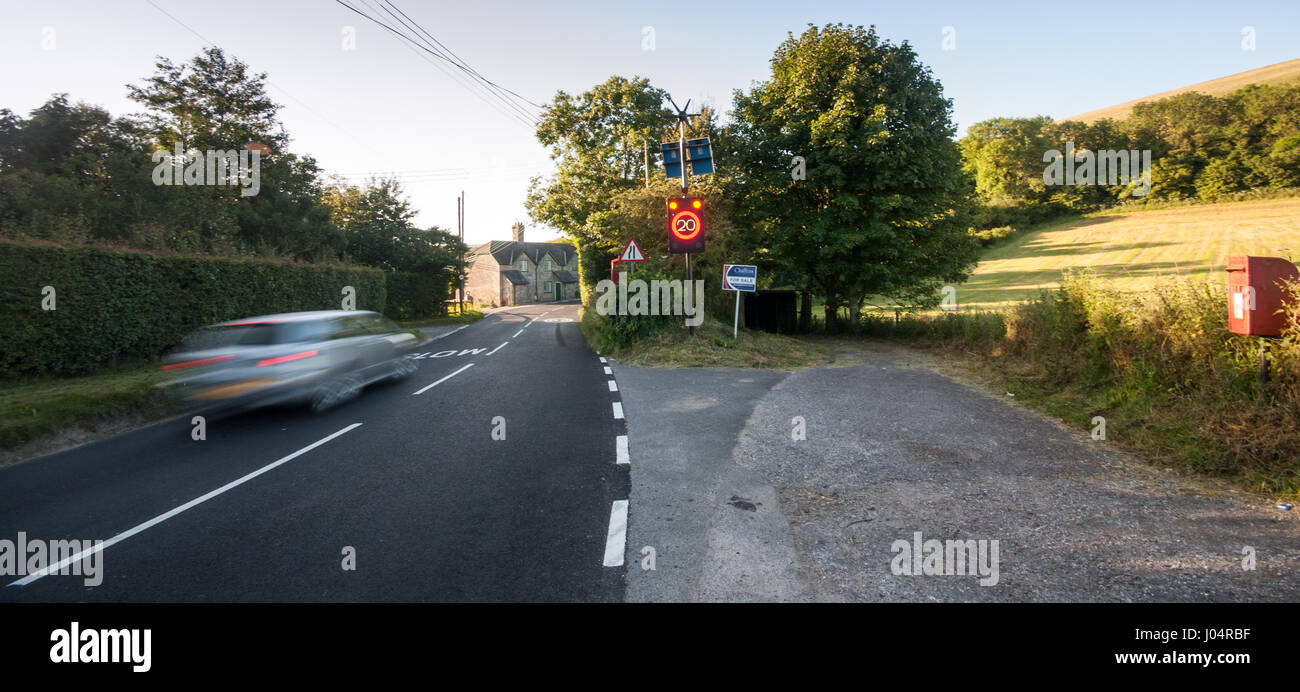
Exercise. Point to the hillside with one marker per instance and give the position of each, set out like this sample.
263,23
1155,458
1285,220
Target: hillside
1280,73
1132,250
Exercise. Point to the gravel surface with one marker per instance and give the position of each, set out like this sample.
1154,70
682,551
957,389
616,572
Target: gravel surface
893,449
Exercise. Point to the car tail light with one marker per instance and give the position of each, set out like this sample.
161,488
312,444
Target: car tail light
286,359
195,363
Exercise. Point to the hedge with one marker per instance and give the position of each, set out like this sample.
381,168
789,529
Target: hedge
116,305
413,296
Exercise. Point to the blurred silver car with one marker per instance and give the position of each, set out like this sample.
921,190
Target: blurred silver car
320,358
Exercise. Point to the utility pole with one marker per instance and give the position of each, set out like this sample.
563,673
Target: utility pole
460,226
682,117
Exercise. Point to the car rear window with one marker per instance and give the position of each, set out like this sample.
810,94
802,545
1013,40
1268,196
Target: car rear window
229,335
309,330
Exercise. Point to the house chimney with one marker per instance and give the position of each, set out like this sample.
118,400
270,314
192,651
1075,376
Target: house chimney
517,232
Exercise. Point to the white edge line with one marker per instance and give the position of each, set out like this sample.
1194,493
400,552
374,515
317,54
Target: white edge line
613,386
608,371
621,444
616,540
517,333
450,332
618,410
498,348
435,384
168,515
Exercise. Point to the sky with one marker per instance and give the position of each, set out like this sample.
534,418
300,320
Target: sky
363,103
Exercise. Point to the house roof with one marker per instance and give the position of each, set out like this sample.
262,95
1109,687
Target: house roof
565,276
508,251
515,277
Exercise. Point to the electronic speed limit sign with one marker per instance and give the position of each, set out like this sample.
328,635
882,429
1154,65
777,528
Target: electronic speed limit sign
685,225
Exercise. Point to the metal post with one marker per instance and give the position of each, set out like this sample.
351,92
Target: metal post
460,226
735,326
1263,363
681,155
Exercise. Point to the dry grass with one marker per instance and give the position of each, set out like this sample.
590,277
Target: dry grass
1279,73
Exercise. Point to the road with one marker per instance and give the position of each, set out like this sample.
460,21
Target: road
408,477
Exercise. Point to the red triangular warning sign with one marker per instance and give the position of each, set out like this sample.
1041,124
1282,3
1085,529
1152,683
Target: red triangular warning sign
632,253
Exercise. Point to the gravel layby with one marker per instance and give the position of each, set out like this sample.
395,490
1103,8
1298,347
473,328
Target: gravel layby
894,448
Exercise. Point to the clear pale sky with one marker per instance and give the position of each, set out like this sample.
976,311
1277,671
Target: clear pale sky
382,109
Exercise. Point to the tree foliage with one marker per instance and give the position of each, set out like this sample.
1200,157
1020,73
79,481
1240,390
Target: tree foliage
881,211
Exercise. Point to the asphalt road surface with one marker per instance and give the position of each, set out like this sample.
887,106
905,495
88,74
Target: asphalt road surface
407,478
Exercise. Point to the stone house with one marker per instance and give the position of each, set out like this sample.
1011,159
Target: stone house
515,272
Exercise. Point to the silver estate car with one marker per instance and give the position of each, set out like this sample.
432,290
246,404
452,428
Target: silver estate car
319,358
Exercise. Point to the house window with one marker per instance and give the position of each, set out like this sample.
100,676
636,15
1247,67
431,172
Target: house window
548,265
547,288
523,264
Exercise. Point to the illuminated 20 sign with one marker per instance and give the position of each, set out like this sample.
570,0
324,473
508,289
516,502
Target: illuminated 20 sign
685,225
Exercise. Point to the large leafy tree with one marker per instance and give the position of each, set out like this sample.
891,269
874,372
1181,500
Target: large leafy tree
212,102
881,211
597,141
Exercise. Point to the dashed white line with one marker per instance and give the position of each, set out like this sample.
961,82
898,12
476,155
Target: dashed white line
498,348
608,371
602,359
618,410
621,446
58,567
518,333
613,386
435,384
616,539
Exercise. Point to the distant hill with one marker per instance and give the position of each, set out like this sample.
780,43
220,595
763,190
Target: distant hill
1280,73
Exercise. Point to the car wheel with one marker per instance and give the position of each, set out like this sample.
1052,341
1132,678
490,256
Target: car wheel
403,367
335,392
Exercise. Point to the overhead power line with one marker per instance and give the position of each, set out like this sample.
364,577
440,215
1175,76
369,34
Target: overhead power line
495,90
515,106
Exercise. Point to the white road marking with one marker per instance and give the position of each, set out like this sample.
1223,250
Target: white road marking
435,384
168,515
602,359
621,445
613,386
498,348
618,410
608,371
518,333
450,332
616,540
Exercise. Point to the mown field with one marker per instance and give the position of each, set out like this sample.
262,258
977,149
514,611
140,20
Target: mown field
1131,251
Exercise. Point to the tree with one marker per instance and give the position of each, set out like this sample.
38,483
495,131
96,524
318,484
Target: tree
213,102
883,208
596,140
375,221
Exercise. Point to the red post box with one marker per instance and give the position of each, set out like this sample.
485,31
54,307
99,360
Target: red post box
1256,294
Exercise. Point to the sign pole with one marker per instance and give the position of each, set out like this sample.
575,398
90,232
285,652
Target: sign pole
681,149
735,326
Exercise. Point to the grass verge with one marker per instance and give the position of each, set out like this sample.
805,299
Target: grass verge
469,317
46,413
669,344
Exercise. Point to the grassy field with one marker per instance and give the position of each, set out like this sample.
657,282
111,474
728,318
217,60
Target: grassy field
1131,251
1281,73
